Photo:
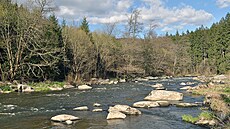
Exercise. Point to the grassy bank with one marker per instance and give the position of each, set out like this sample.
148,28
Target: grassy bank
217,97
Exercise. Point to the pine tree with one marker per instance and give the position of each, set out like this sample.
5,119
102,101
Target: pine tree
85,26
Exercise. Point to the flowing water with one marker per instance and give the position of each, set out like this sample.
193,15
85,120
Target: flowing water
34,110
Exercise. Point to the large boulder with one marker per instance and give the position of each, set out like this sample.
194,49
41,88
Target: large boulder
83,108
64,117
146,104
115,115
125,109
164,95
84,87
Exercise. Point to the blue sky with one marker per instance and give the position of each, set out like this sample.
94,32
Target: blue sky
168,15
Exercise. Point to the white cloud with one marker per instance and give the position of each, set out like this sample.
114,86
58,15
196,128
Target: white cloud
223,3
105,11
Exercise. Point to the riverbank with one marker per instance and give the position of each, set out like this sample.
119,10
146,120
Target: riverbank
7,87
216,90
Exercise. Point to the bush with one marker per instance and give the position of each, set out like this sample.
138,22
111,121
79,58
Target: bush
206,115
6,88
189,118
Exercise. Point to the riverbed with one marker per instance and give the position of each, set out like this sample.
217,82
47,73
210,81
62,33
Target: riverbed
34,110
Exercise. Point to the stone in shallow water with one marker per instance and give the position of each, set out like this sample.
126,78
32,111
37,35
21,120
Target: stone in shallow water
97,110
96,105
82,108
163,103
64,117
125,109
144,104
69,122
186,105
164,95
84,87
115,115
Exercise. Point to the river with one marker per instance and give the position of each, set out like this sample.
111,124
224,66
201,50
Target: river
34,110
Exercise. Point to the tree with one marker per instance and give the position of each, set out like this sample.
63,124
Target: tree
85,26
134,26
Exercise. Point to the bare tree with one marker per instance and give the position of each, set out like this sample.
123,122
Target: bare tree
134,26
150,30
110,28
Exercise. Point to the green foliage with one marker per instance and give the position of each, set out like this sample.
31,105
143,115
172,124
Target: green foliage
85,25
5,88
203,115
45,86
190,118
206,115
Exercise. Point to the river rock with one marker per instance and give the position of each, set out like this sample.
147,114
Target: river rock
64,117
97,105
160,88
122,80
115,82
220,77
83,108
152,78
68,86
55,88
125,109
84,87
186,88
186,105
97,110
164,95
146,104
69,122
163,103
24,88
206,122
183,84
115,115
157,85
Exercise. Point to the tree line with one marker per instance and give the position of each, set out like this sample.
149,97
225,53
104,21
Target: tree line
34,47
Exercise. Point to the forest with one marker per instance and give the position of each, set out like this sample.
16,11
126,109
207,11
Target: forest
37,47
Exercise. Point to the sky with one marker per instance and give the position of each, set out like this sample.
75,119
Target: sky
168,15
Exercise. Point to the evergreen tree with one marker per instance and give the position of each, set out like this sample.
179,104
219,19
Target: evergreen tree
85,26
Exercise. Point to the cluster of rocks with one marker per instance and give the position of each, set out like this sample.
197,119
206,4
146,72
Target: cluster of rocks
120,112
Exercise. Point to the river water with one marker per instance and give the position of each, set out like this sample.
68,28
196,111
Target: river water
34,110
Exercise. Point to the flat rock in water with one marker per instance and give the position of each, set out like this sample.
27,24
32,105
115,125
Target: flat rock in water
157,85
164,95
97,105
163,103
115,115
84,87
125,109
186,105
64,117
160,88
55,88
186,88
83,108
68,86
146,104
69,122
97,110
183,84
